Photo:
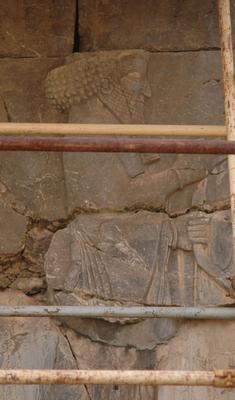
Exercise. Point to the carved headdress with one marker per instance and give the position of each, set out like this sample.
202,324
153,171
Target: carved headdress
117,79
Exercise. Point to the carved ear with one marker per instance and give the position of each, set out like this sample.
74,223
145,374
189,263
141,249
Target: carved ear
106,86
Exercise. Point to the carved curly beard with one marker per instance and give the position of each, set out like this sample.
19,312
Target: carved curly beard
126,106
136,106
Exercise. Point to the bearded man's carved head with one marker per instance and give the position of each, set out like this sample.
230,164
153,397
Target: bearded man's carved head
118,79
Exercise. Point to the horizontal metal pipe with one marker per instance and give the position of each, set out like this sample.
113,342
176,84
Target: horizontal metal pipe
115,144
119,311
39,129
220,378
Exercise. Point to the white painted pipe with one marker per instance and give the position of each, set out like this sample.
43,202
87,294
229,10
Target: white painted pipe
220,378
49,129
229,94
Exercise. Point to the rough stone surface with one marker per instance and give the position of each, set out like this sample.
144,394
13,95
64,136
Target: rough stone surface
31,28
87,210
198,346
139,258
13,228
34,343
22,89
90,355
33,181
30,285
163,25
37,243
137,87
3,111
51,186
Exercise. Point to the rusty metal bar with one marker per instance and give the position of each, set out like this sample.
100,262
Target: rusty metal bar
229,94
51,129
220,378
115,144
202,313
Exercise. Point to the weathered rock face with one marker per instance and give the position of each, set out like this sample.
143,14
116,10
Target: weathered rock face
34,343
140,258
198,346
114,256
127,89
13,228
161,25
91,355
22,89
119,229
123,86
36,29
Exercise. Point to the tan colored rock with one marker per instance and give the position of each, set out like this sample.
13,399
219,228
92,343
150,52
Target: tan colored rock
50,186
37,243
34,343
3,111
31,28
139,258
163,25
30,285
13,228
91,355
197,346
32,180
206,345
22,88
137,87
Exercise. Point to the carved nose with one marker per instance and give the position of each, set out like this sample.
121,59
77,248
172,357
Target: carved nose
146,89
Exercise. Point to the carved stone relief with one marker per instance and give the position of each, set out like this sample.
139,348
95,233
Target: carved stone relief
34,343
114,87
139,239
139,258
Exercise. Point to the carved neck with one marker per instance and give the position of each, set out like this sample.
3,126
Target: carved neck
91,111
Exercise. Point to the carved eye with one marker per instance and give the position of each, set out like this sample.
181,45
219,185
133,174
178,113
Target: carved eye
106,86
134,75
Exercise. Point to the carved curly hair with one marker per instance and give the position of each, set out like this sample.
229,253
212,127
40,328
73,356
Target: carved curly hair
88,75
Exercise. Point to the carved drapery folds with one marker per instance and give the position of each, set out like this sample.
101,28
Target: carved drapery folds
130,258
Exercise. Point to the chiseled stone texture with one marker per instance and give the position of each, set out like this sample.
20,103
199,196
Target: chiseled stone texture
22,89
13,228
163,25
91,355
33,181
51,186
139,87
34,343
206,345
31,28
139,258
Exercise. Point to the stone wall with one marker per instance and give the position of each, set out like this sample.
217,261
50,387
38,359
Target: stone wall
113,229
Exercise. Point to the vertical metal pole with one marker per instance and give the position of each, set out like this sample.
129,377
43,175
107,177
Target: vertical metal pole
229,94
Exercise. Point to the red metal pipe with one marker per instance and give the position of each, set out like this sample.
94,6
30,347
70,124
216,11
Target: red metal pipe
115,144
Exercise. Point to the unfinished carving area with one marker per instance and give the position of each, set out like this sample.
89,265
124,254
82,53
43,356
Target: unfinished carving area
113,228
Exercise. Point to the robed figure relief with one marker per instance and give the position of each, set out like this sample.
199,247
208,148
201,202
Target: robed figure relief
116,255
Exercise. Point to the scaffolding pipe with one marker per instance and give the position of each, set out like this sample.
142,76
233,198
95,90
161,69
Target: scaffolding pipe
229,94
115,144
220,378
119,312
51,129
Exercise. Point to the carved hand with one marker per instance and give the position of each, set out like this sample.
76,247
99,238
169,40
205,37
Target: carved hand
199,230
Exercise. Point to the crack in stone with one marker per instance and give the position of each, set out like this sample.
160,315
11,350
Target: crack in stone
75,359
